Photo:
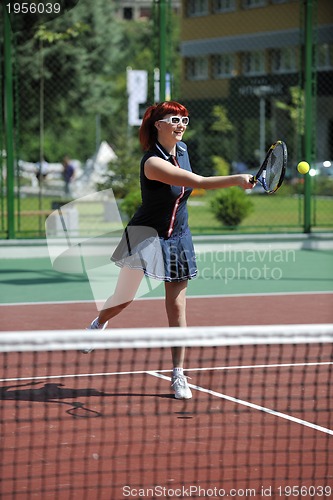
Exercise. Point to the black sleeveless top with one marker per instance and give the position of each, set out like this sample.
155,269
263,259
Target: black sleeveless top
164,206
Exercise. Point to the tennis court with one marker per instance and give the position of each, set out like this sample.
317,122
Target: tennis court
293,274
106,425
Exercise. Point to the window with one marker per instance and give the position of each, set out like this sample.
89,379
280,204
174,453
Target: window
254,63
254,3
224,5
224,65
284,60
197,7
197,68
325,56
145,12
128,13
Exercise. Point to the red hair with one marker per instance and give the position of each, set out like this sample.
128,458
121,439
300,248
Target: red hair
148,131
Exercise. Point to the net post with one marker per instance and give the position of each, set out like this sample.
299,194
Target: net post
309,86
162,49
9,124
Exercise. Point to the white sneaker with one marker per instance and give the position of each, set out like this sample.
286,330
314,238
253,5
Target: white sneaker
94,325
181,388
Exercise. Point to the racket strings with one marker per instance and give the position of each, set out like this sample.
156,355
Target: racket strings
274,169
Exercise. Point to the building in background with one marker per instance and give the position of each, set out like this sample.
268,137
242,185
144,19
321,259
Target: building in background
247,54
139,9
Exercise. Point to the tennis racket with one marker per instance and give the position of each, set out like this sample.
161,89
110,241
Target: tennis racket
272,171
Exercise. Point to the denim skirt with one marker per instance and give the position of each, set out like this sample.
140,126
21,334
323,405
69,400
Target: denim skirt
164,259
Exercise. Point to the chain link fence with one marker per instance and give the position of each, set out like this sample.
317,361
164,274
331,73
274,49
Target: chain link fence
238,65
243,78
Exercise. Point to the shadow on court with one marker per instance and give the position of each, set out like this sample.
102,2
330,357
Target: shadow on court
57,392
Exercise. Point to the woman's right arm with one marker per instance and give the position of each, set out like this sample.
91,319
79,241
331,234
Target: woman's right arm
160,170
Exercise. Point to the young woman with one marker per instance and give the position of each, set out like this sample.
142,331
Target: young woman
166,181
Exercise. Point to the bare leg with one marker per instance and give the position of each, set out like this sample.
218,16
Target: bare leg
127,285
175,302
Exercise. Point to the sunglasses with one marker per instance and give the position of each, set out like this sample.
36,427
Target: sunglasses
176,120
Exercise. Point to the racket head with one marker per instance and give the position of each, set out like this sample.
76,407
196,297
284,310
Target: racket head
272,171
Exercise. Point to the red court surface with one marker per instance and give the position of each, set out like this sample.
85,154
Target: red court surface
204,311
103,434
106,426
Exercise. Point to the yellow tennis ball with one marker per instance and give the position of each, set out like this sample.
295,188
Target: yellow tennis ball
303,167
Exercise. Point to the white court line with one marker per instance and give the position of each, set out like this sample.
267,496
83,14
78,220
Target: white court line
251,405
140,372
74,375
241,367
198,388
213,296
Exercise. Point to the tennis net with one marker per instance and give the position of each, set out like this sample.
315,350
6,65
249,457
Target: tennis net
106,425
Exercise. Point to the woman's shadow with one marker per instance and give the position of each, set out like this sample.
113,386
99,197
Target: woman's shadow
53,393
57,393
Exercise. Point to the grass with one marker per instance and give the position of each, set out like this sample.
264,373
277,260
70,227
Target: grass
272,213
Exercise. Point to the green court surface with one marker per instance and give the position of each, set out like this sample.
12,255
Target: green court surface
226,267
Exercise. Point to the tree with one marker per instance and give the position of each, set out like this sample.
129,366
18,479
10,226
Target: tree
210,150
296,111
72,70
